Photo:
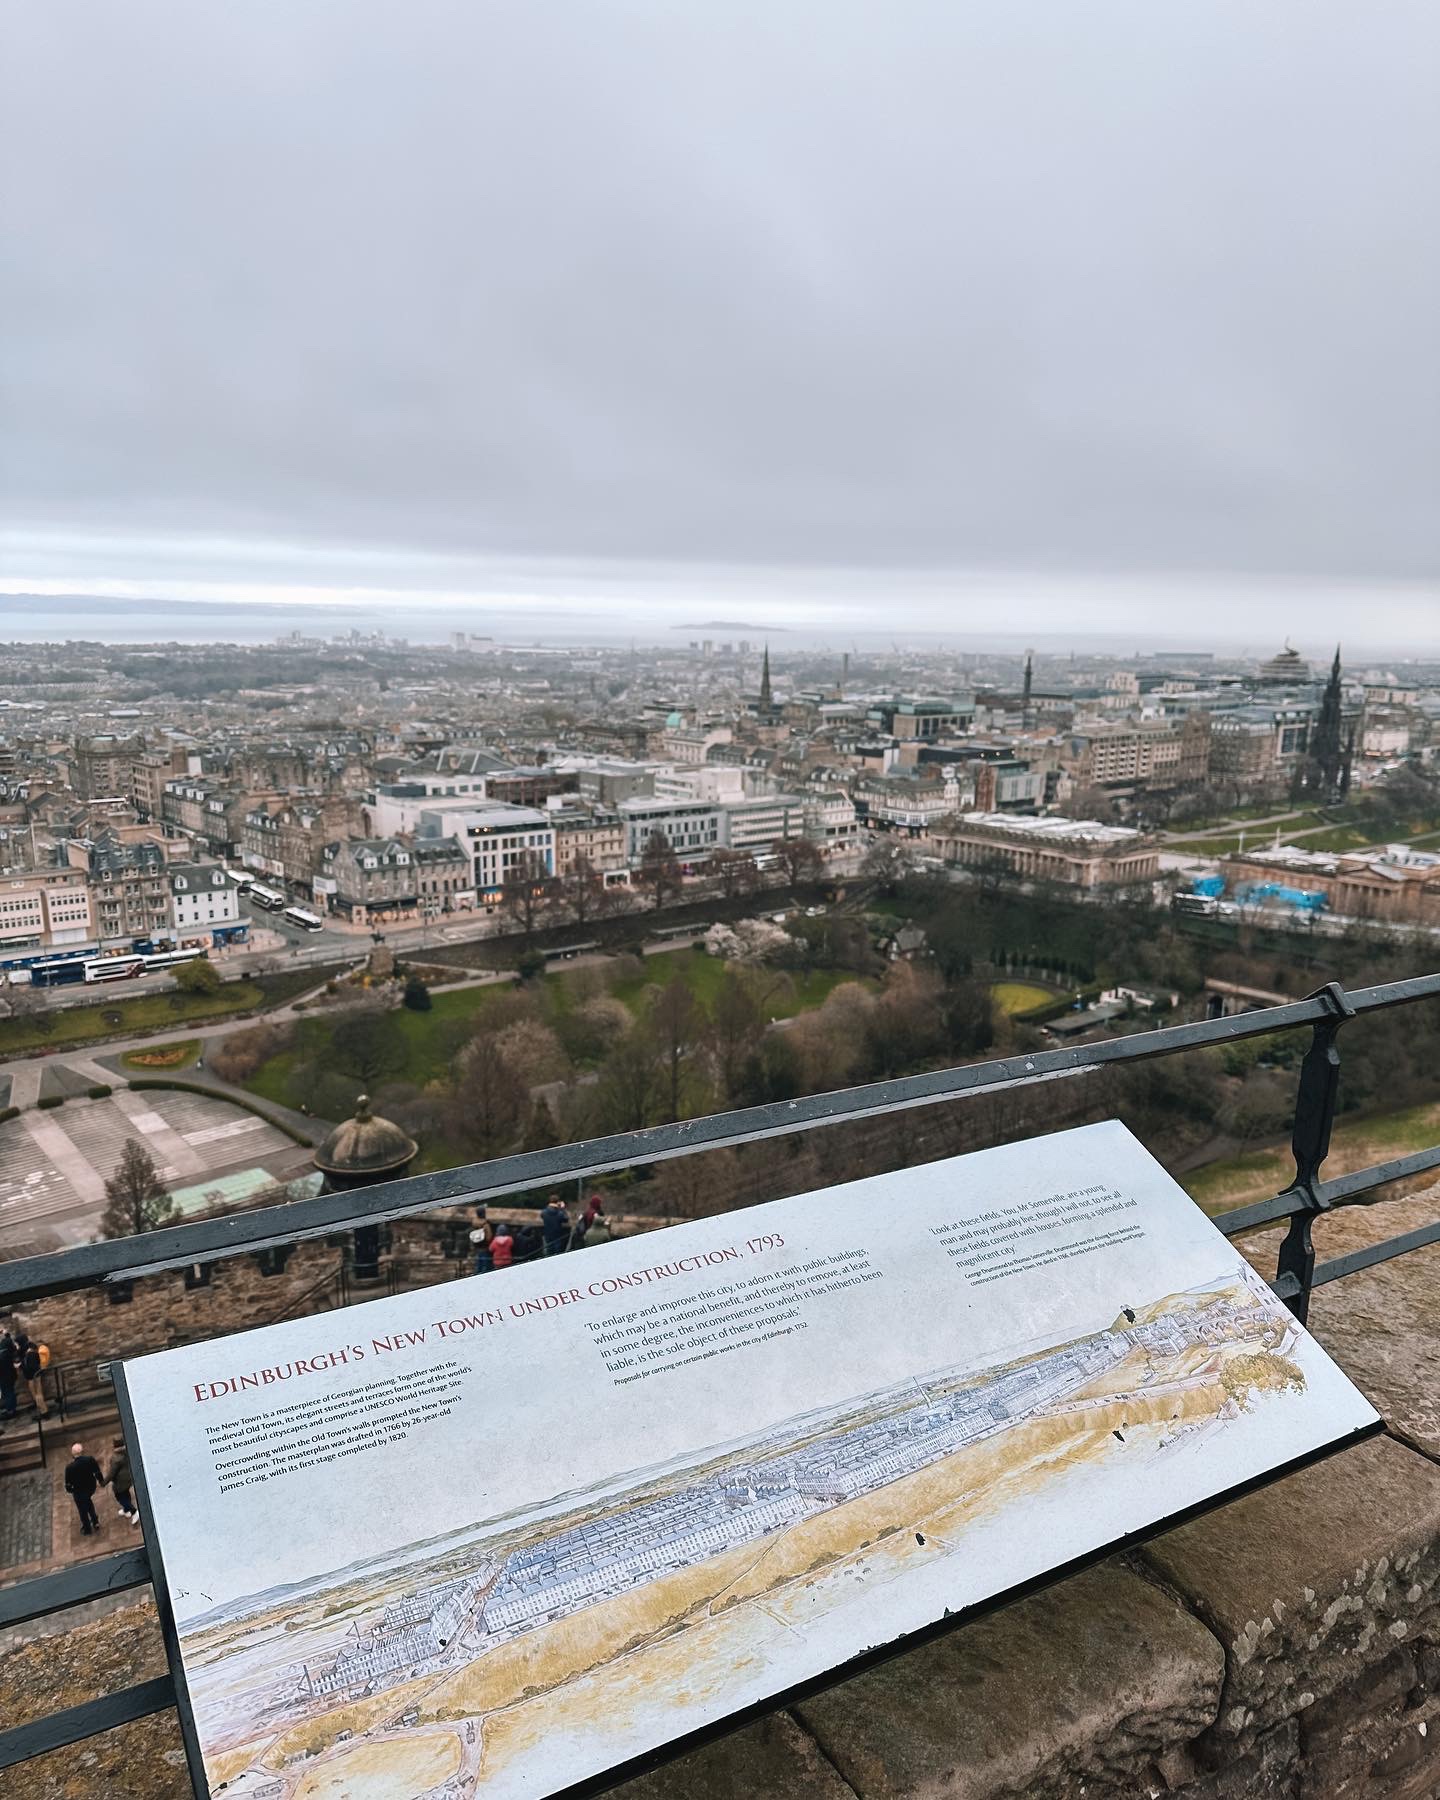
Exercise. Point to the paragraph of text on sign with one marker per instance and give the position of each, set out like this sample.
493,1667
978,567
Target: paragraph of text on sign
1016,1240
728,1316
260,1446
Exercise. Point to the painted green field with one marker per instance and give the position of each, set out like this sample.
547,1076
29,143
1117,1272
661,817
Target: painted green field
1019,996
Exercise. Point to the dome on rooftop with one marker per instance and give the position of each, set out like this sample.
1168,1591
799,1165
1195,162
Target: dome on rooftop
365,1147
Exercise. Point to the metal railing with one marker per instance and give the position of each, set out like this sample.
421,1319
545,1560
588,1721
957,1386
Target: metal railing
1305,1197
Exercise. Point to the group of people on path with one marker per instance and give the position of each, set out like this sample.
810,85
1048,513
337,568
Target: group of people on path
21,1360
84,1478
497,1247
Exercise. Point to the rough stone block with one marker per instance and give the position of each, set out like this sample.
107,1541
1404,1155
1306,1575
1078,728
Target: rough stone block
1078,1689
772,1757
1312,1580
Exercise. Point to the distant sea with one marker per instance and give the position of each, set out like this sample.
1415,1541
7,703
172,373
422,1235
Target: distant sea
31,619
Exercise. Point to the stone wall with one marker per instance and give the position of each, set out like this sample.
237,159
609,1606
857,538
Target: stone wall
251,1289
162,1310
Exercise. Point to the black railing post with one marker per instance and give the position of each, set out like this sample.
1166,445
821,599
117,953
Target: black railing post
1310,1145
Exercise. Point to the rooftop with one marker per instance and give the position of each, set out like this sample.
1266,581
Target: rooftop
1053,830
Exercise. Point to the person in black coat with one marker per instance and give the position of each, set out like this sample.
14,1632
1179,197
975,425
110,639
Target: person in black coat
555,1224
83,1475
33,1369
9,1375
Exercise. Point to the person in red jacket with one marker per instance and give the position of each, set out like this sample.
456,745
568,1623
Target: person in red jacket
502,1246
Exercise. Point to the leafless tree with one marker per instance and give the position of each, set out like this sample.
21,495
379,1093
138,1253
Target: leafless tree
525,891
659,871
799,858
136,1199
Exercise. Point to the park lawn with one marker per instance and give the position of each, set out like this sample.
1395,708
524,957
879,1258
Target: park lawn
1372,832
1354,1144
1019,996
792,992
1312,831
426,1041
424,1033
136,1012
429,1045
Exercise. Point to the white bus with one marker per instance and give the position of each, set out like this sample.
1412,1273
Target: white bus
266,897
114,968
168,959
307,921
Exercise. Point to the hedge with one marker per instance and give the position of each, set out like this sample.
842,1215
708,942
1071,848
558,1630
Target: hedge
101,1091
47,1101
8,1112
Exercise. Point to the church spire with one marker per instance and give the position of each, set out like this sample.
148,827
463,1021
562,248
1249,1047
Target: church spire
765,700
1327,748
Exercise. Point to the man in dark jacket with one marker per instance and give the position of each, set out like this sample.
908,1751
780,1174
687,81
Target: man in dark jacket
555,1223
9,1375
33,1369
82,1476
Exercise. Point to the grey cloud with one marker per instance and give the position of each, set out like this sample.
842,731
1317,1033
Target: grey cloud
1089,288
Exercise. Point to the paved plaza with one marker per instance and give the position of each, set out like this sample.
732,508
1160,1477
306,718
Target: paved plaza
53,1164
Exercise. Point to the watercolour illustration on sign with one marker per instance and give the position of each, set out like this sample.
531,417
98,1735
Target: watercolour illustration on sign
502,1536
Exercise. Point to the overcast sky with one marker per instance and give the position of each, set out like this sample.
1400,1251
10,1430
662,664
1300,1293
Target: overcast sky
579,299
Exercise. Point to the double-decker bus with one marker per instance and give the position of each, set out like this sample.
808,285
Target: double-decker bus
307,921
169,959
266,897
59,971
114,968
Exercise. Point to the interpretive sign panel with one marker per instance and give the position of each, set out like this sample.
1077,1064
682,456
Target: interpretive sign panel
506,1535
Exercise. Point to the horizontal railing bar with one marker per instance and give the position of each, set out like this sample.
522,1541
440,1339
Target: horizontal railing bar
233,1234
40,1736
1338,1267
74,1586
1393,993
1260,1212
1342,1190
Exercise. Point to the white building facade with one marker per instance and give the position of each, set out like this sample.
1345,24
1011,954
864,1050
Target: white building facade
498,839
693,827
204,902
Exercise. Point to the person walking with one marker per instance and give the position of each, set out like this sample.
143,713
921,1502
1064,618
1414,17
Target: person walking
502,1247
82,1476
9,1375
555,1224
122,1482
32,1367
